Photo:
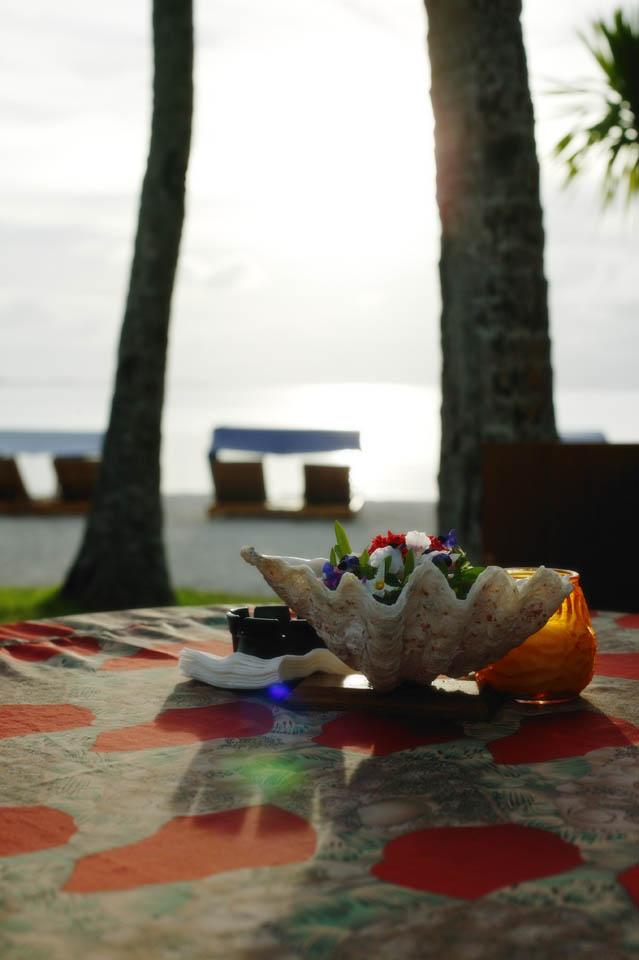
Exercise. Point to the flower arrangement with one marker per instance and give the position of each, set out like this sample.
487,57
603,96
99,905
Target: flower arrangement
386,564
413,611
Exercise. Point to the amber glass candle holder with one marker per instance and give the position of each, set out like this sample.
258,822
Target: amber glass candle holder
557,662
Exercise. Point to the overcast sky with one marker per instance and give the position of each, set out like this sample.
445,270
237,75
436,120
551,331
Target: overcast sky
312,233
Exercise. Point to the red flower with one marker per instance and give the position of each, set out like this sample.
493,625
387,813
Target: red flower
436,544
392,540
396,539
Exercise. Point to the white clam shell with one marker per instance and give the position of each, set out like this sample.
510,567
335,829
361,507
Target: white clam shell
428,631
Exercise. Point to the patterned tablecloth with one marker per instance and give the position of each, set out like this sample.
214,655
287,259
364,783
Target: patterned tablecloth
146,815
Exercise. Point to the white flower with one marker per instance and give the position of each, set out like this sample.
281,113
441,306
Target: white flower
377,584
378,556
417,542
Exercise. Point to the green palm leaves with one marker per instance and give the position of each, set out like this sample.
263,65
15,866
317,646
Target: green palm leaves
615,135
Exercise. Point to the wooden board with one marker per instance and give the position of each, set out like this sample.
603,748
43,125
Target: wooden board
444,698
571,481
41,506
329,511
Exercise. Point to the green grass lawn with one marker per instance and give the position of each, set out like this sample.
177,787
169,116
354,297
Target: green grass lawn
36,603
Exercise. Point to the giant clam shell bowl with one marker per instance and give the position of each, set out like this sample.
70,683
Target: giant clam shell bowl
428,631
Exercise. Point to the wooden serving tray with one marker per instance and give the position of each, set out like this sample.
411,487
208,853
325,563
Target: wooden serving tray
445,698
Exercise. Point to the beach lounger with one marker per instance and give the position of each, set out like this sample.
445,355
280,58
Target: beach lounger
76,457
327,487
76,478
13,493
239,485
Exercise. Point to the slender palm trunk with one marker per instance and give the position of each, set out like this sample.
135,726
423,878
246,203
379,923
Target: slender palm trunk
122,562
496,376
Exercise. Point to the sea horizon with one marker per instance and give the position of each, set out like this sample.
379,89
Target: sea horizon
399,427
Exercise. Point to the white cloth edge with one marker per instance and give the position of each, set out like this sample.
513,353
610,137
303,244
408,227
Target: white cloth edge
239,671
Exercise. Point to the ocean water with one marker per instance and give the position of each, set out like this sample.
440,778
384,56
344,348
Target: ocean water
398,423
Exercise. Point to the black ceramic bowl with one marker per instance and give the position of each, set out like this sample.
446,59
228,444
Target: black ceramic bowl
270,632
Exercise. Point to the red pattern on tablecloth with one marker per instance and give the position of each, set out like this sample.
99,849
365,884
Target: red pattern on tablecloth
163,655
122,802
140,660
191,847
470,862
379,736
177,727
630,880
630,621
22,719
563,735
622,665
27,829
34,631
45,649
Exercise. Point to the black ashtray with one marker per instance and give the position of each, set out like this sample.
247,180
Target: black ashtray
271,632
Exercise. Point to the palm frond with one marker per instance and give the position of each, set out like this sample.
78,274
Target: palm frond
615,48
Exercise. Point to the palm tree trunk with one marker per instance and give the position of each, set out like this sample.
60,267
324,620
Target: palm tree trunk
122,562
496,376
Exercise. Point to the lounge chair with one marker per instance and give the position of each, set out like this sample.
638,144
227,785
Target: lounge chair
327,490
76,478
239,485
75,459
13,493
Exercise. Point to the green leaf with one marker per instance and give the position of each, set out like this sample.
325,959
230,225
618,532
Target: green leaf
387,565
464,576
389,598
561,145
614,47
409,565
441,565
333,557
342,539
365,570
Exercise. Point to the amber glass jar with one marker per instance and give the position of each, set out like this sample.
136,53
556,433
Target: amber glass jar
558,661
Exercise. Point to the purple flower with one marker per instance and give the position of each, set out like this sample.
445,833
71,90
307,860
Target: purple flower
440,559
350,563
449,540
331,575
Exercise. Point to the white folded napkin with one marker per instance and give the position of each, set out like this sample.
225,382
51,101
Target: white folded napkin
239,671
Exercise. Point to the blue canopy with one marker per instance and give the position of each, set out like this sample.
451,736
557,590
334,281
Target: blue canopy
283,441
55,442
586,436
